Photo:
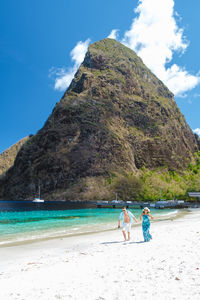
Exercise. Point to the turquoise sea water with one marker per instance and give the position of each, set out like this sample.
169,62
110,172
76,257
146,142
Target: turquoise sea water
18,226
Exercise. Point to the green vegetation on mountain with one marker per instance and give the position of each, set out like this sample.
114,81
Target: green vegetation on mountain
116,128
7,157
159,183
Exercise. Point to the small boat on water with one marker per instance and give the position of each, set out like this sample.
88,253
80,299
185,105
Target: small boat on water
37,199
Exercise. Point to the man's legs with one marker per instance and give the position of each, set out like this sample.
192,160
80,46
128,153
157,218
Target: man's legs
129,231
127,227
124,234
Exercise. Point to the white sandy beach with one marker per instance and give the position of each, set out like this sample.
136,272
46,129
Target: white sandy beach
101,266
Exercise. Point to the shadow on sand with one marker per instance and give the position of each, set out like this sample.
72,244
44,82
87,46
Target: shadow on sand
114,242
118,242
140,242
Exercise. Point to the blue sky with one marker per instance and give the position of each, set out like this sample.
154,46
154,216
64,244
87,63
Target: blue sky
42,44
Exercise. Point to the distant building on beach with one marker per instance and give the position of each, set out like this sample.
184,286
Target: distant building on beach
169,203
194,195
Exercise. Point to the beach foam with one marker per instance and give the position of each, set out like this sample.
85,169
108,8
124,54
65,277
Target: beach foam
27,226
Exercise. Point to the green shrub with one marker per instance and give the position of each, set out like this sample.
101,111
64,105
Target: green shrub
128,187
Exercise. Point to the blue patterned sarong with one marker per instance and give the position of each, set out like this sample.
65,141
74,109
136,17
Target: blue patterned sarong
145,228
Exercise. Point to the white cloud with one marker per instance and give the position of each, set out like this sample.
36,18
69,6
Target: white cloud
197,131
63,76
155,36
179,80
78,52
113,34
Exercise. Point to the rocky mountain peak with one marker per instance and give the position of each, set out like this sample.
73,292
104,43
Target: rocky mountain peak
115,118
110,69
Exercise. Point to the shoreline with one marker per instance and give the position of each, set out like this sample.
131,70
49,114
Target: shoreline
79,204
102,266
168,216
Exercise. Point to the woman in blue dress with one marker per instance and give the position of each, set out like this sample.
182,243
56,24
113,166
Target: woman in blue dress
145,217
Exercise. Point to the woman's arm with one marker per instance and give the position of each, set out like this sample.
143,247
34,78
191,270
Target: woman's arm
141,216
151,217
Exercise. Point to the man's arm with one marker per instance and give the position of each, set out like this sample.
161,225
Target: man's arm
119,223
120,216
134,218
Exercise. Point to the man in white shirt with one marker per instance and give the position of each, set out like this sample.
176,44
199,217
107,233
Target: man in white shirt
127,219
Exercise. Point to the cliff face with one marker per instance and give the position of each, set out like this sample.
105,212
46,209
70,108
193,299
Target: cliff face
7,157
115,117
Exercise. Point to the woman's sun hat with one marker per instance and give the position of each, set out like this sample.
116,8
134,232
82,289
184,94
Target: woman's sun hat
147,209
